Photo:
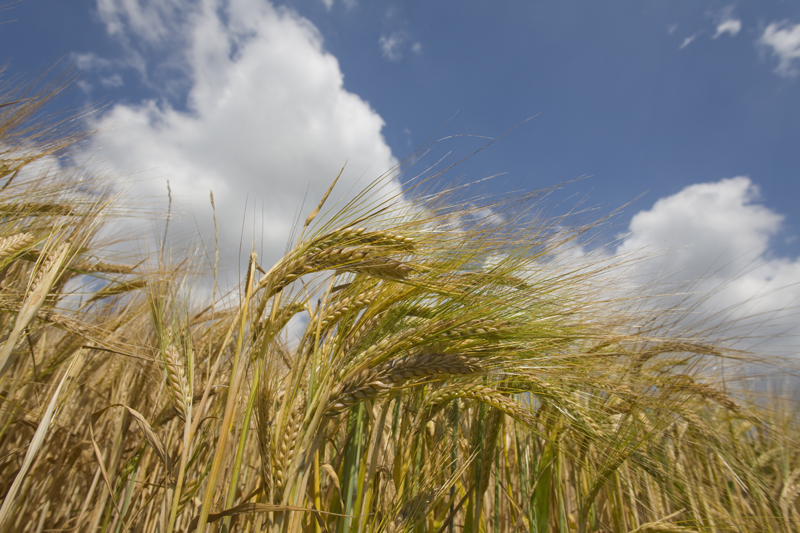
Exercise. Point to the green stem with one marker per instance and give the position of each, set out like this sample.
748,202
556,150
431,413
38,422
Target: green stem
237,375
237,465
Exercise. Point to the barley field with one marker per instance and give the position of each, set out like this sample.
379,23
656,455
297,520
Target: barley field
409,365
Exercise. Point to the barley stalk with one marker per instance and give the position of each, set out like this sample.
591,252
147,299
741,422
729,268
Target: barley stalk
14,244
369,383
190,488
180,391
478,328
105,268
401,341
431,309
788,496
263,423
284,447
496,399
358,237
323,254
494,422
40,287
357,335
348,305
31,208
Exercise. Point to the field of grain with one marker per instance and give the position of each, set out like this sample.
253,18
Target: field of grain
406,366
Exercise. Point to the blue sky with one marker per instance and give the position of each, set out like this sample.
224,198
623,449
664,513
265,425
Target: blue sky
696,104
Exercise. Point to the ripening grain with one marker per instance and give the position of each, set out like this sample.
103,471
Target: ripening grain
449,375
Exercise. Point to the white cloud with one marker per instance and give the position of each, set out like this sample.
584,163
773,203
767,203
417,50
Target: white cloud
268,123
671,29
115,80
686,42
393,45
328,4
716,236
89,61
721,220
152,20
729,26
727,22
784,40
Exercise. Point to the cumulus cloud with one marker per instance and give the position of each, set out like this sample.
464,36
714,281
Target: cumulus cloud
722,221
716,236
783,39
266,125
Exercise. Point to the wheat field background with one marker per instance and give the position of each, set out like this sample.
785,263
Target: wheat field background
408,365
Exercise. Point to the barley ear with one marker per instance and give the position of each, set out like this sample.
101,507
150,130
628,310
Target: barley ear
179,389
39,289
13,244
